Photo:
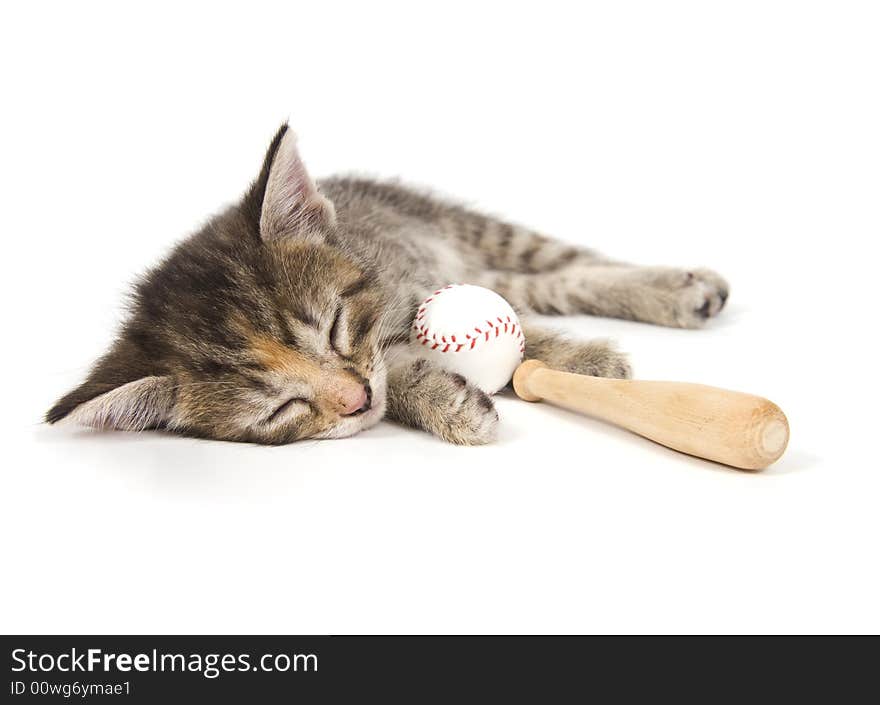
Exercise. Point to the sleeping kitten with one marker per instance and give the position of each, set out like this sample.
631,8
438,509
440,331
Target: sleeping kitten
287,316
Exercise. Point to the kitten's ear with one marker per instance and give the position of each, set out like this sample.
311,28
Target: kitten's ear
288,198
133,406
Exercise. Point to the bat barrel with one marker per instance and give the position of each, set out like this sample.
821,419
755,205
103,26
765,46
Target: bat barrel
734,428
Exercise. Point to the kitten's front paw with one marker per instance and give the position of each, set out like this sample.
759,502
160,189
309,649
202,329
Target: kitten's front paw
424,396
597,358
467,415
691,297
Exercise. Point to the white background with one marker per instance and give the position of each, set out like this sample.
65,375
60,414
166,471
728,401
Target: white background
744,136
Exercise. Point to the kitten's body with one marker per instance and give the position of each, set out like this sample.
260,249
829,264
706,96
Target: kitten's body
287,316
415,242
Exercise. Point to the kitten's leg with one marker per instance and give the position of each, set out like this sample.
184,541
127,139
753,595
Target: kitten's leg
428,397
598,358
538,273
662,295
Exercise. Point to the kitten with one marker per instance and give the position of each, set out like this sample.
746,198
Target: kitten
287,315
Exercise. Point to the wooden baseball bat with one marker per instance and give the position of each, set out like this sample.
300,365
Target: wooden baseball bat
728,427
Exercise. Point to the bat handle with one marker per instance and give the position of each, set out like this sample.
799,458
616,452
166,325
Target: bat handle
734,428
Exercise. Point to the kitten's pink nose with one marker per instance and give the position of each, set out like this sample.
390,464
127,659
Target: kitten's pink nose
355,399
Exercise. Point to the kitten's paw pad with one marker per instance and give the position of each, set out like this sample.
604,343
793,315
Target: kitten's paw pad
469,416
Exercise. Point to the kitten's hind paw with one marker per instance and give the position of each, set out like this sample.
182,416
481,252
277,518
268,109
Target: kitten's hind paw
704,295
687,298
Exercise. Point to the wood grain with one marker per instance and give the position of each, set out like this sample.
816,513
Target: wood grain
734,428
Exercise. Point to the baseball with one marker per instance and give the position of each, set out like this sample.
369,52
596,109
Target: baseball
472,331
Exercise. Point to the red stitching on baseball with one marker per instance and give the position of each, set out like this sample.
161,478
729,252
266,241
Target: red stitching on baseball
426,335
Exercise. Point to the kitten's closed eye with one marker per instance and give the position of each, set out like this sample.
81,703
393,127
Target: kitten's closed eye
339,339
279,412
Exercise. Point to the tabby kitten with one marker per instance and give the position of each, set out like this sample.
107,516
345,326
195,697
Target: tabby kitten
287,315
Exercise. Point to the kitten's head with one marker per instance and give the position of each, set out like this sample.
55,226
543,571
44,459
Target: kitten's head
258,328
